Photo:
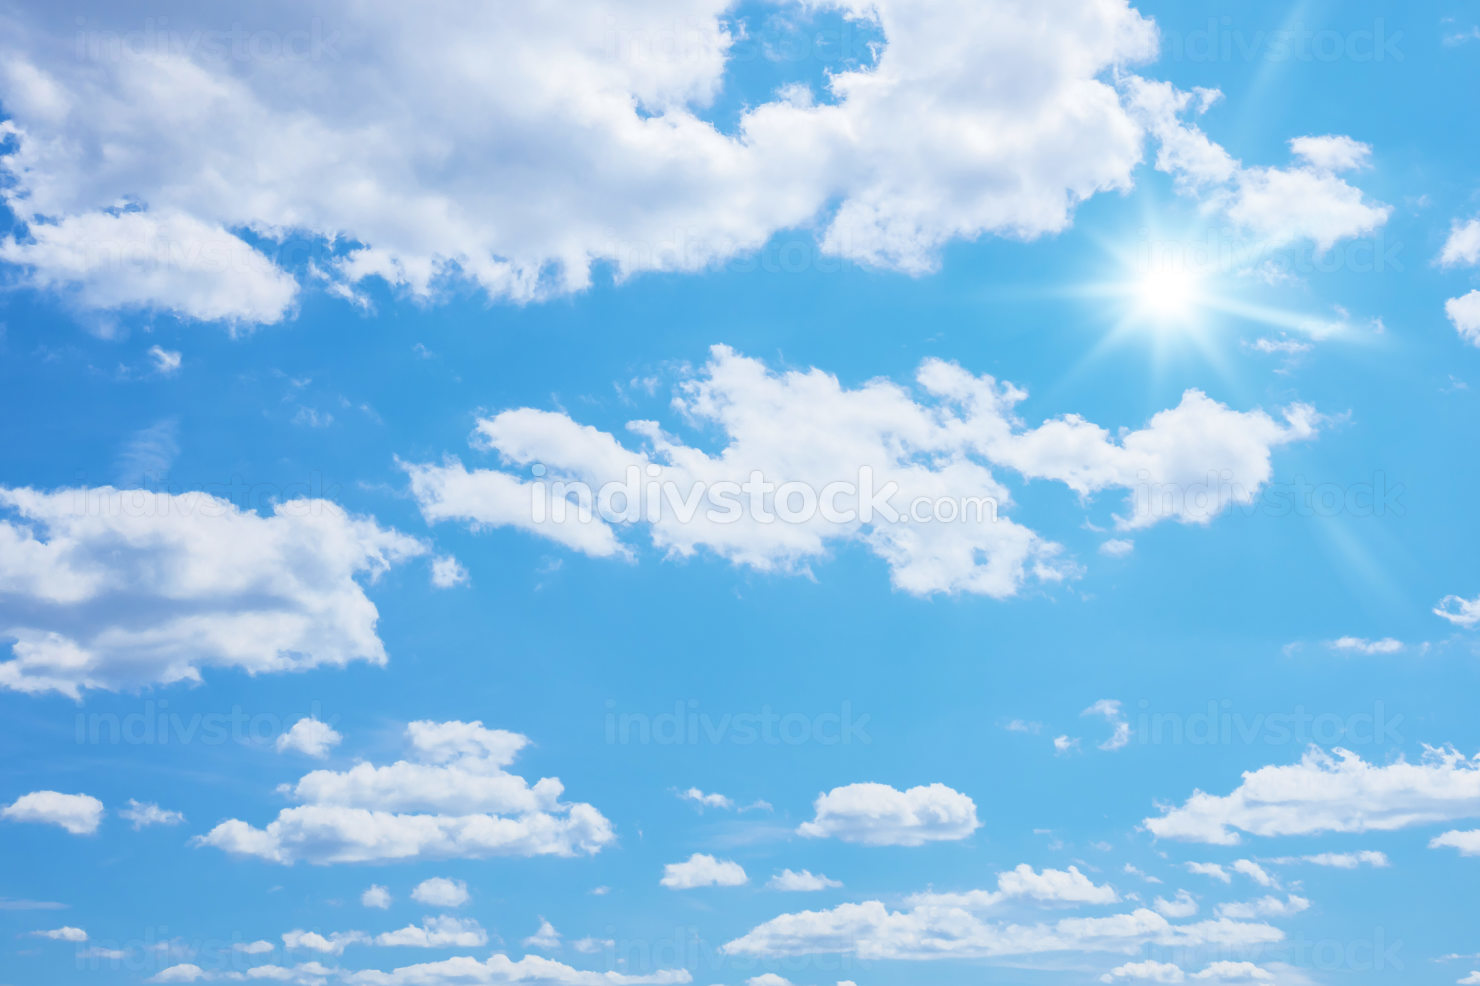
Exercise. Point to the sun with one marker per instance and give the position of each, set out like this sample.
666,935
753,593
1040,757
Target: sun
1168,294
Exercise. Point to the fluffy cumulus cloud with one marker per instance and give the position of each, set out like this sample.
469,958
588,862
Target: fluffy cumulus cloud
906,473
452,797
703,870
376,896
79,814
1152,971
112,589
515,147
1024,883
880,815
1462,249
1329,792
803,881
310,737
440,891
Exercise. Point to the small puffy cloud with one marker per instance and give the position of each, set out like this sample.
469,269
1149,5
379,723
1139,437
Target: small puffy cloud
1213,870
1149,971
65,933
879,815
441,931
801,881
1457,610
439,891
1049,886
1264,907
702,870
1464,312
1254,872
1117,547
1362,645
310,737
331,944
1462,248
184,972
1184,905
447,572
141,814
1332,153
258,947
118,589
376,896
1065,744
1109,710
166,361
79,814
545,938
703,800
1340,860
1329,792
1467,842
451,797
768,979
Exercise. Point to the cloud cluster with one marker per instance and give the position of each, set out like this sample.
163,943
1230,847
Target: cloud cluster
806,463
451,798
115,589
516,147
879,815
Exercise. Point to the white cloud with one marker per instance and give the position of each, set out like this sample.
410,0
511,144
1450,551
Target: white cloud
1306,201
1340,860
574,138
1024,883
879,815
440,931
331,944
1464,312
144,813
65,933
1361,645
1213,870
776,498
164,260
1468,843
1329,792
79,814
1264,907
253,947
1109,710
310,737
500,970
1459,611
1149,971
1065,744
768,979
117,589
439,891
802,881
447,572
376,896
706,800
871,931
1117,547
166,361
702,870
1254,872
545,937
1184,905
1462,248
452,798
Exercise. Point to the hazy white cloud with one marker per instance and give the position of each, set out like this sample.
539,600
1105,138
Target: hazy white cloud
545,937
79,814
1464,312
802,881
115,589
64,933
447,572
500,970
1183,905
440,931
1049,886
706,800
702,870
1120,729
1457,610
141,814
376,896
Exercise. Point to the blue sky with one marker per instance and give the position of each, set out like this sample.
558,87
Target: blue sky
307,307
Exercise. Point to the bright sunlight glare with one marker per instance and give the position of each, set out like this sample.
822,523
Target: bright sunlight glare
1168,293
